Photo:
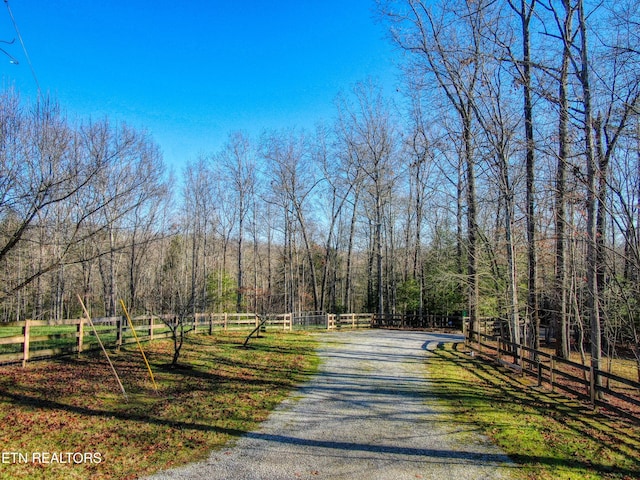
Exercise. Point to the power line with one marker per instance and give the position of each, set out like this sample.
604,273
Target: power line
12,59
24,49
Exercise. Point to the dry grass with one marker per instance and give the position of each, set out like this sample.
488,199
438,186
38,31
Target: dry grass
74,404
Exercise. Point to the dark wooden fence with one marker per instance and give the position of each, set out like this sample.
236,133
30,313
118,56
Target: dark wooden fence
586,382
427,321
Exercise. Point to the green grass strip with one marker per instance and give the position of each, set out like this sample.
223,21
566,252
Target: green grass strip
546,434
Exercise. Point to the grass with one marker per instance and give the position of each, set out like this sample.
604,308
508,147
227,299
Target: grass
546,434
73,404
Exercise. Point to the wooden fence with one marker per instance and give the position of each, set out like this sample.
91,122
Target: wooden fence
445,322
354,320
586,382
28,340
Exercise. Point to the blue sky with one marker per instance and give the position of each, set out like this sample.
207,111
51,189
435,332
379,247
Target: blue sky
192,71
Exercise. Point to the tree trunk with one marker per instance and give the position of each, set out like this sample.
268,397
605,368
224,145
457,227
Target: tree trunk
560,282
240,273
514,316
348,302
525,14
593,297
472,226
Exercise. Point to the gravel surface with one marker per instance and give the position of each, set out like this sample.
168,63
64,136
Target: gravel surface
366,415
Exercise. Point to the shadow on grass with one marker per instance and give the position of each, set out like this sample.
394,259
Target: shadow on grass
493,388
214,392
30,401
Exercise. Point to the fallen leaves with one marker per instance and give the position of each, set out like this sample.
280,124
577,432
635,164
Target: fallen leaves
73,404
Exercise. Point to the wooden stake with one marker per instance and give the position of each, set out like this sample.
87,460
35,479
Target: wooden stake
135,335
84,309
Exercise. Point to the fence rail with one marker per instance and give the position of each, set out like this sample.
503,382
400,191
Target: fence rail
28,340
354,320
586,382
453,322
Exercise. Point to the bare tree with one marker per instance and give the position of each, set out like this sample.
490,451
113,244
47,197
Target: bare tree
525,11
199,214
369,135
338,188
293,179
131,179
591,180
420,151
237,165
40,171
444,43
499,123
351,169
564,23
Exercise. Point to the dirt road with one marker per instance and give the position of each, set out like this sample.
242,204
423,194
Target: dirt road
368,415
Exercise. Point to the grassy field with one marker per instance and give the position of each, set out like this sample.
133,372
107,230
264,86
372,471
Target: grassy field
67,418
549,436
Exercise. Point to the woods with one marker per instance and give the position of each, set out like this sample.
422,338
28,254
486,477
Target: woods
502,180
539,95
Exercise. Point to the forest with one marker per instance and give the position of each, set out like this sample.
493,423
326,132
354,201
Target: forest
501,180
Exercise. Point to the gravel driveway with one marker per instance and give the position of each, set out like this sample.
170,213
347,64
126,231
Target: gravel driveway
366,415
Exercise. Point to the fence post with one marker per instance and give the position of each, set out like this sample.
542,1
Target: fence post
150,327
211,324
539,372
25,344
119,326
552,373
464,331
225,321
593,382
80,335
